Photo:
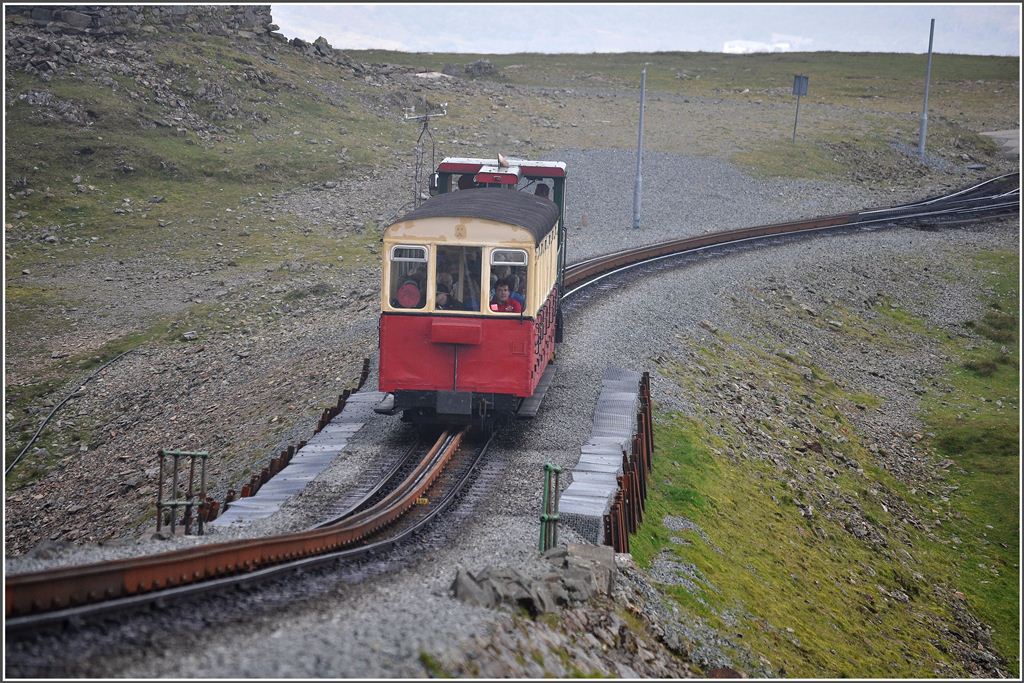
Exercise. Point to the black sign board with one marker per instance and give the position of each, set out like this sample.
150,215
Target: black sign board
800,86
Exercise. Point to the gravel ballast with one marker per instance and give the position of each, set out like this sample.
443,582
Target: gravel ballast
380,626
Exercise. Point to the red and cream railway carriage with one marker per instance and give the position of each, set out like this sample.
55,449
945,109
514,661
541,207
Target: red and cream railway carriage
470,292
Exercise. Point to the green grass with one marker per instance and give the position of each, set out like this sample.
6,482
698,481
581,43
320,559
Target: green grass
982,438
776,570
782,158
781,570
432,666
854,73
883,90
883,80
122,153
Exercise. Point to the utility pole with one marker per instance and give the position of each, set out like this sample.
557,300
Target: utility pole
418,153
924,110
639,153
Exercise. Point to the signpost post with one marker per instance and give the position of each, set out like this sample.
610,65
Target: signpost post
799,89
924,110
639,153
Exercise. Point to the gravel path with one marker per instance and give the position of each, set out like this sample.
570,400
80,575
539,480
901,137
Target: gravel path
683,196
380,627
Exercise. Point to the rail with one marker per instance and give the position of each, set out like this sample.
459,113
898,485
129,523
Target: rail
66,587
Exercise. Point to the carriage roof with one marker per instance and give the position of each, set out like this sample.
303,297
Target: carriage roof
536,214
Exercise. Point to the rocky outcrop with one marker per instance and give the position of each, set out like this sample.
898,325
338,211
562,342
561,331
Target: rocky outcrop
582,633
322,50
580,572
482,68
221,20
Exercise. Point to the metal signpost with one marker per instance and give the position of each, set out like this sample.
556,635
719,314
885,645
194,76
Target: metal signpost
924,110
639,154
799,89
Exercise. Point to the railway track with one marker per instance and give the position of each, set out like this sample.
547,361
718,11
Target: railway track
993,197
417,487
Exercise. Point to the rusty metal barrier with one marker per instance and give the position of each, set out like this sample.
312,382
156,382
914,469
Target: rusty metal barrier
190,499
70,586
627,512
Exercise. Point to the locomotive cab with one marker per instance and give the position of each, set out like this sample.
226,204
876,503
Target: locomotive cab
470,289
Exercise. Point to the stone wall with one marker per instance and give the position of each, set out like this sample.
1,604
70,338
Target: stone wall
245,21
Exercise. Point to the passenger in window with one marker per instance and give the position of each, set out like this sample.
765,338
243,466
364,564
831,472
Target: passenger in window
499,273
543,191
448,273
409,295
419,274
466,182
516,294
503,301
444,301
445,279
472,289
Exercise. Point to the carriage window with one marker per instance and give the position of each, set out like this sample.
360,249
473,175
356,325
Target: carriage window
408,282
508,268
457,279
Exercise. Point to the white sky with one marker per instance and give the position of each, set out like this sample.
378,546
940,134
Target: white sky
501,28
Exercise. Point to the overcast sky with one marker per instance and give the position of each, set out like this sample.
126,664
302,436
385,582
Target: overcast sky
983,29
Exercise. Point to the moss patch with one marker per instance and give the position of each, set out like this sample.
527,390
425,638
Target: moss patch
811,597
815,555
432,666
977,427
783,158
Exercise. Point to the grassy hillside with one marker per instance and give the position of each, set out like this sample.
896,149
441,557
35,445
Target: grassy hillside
180,182
283,131
292,121
888,82
859,105
796,581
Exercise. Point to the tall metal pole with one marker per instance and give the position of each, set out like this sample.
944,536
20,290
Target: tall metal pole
924,110
639,154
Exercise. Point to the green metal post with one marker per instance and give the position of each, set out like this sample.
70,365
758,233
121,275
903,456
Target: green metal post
544,510
549,508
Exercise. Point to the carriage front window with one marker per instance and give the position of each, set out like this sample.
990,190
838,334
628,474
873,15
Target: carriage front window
457,279
508,280
408,282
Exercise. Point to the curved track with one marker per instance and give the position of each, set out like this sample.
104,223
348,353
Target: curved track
415,490
994,197
40,599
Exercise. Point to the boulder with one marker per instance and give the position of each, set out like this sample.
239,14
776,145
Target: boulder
597,560
76,19
480,68
466,588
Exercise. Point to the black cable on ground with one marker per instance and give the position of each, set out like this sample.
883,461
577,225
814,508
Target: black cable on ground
57,407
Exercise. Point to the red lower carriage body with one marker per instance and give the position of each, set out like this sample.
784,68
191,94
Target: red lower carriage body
453,369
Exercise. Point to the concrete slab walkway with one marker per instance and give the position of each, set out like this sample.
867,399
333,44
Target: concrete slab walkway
1008,141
